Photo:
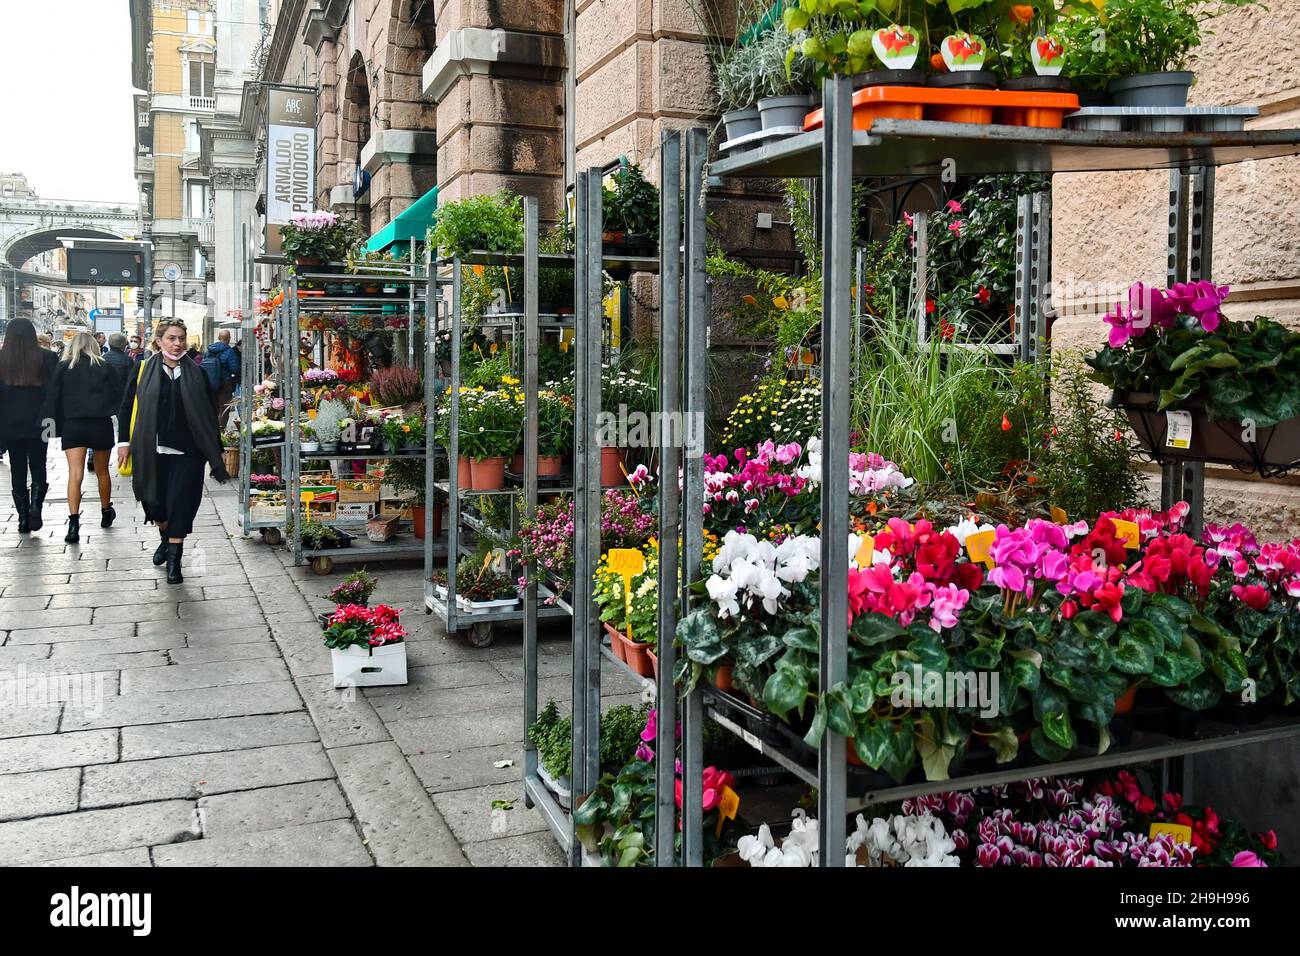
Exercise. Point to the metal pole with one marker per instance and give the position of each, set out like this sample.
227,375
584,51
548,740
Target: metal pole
584,449
410,308
531,345
696,408
670,210
147,290
173,299
921,239
1024,257
453,450
594,317
837,251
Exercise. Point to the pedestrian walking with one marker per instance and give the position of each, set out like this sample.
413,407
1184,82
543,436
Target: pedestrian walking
168,429
135,351
80,403
102,343
26,371
221,365
118,359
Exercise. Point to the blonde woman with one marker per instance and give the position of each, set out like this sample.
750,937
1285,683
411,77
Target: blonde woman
82,399
174,436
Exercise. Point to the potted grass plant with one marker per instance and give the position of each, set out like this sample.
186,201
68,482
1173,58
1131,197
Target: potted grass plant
787,80
738,85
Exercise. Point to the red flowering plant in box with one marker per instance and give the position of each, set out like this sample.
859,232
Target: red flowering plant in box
355,625
1214,841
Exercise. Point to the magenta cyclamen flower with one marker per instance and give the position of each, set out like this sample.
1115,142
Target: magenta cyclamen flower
1201,300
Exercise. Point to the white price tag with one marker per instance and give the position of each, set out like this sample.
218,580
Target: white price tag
751,740
1178,433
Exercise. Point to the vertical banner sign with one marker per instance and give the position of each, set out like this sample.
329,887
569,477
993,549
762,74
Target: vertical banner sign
290,155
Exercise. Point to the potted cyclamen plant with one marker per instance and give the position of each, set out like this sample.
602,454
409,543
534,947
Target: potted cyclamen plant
367,646
315,239
1198,385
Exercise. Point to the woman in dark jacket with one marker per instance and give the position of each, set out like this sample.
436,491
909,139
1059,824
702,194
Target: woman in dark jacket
26,371
81,402
174,436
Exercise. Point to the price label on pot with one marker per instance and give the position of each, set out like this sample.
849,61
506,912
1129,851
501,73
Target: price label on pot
1178,433
1059,516
728,804
866,552
1181,834
628,562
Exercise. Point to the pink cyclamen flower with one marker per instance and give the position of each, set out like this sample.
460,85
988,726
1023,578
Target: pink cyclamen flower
954,205
1247,858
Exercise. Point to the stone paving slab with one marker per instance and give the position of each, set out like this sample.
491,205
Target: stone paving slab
330,843
198,704
471,817
195,775
395,813
113,858
30,721
23,754
529,850
215,674
79,634
252,811
461,769
97,831
344,717
212,653
211,736
38,794
72,664
131,644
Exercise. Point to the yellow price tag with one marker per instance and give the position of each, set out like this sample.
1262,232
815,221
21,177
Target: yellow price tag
781,302
978,545
627,563
1059,515
1127,531
866,552
728,805
1180,833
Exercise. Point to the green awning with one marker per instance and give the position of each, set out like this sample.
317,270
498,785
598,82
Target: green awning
411,223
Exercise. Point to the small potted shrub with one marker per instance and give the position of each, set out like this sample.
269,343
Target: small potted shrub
367,646
631,211
356,588
328,425
316,239
787,81
1151,45
554,433
552,736
738,84
308,438
398,386
479,223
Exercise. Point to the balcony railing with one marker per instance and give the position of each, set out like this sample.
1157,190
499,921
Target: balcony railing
205,229
203,103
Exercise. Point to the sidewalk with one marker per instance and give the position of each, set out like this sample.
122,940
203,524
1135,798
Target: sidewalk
148,724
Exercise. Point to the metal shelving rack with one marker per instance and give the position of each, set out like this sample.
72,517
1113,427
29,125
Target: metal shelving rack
837,154
405,545
252,371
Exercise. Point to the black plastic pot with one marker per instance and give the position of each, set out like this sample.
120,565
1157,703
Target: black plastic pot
1163,90
1274,451
1045,84
965,80
890,78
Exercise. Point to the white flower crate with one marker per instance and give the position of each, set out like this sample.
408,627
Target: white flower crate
381,666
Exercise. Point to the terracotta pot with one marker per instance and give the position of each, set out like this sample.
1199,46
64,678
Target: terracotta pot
418,518
611,467
517,464
851,752
654,663
637,656
722,679
1124,703
464,473
488,474
550,466
616,642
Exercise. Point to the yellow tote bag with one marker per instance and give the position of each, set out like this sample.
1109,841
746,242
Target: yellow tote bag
126,466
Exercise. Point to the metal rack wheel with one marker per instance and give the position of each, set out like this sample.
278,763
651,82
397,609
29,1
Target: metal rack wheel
272,535
322,564
480,635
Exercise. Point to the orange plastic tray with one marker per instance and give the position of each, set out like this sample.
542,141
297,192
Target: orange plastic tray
1011,107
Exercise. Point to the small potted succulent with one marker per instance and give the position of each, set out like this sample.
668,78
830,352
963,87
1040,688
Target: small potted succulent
309,442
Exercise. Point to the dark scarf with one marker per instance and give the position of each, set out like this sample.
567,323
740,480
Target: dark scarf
192,389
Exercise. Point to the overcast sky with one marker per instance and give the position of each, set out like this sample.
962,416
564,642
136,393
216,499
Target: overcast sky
66,116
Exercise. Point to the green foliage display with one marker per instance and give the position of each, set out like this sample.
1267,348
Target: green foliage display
632,204
488,223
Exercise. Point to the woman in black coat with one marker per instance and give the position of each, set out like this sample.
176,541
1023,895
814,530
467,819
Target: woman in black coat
26,371
174,434
82,399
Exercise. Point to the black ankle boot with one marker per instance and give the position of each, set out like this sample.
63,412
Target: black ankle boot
106,516
22,505
74,529
174,552
160,554
38,500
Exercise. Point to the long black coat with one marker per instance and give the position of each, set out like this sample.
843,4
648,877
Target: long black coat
22,407
86,390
